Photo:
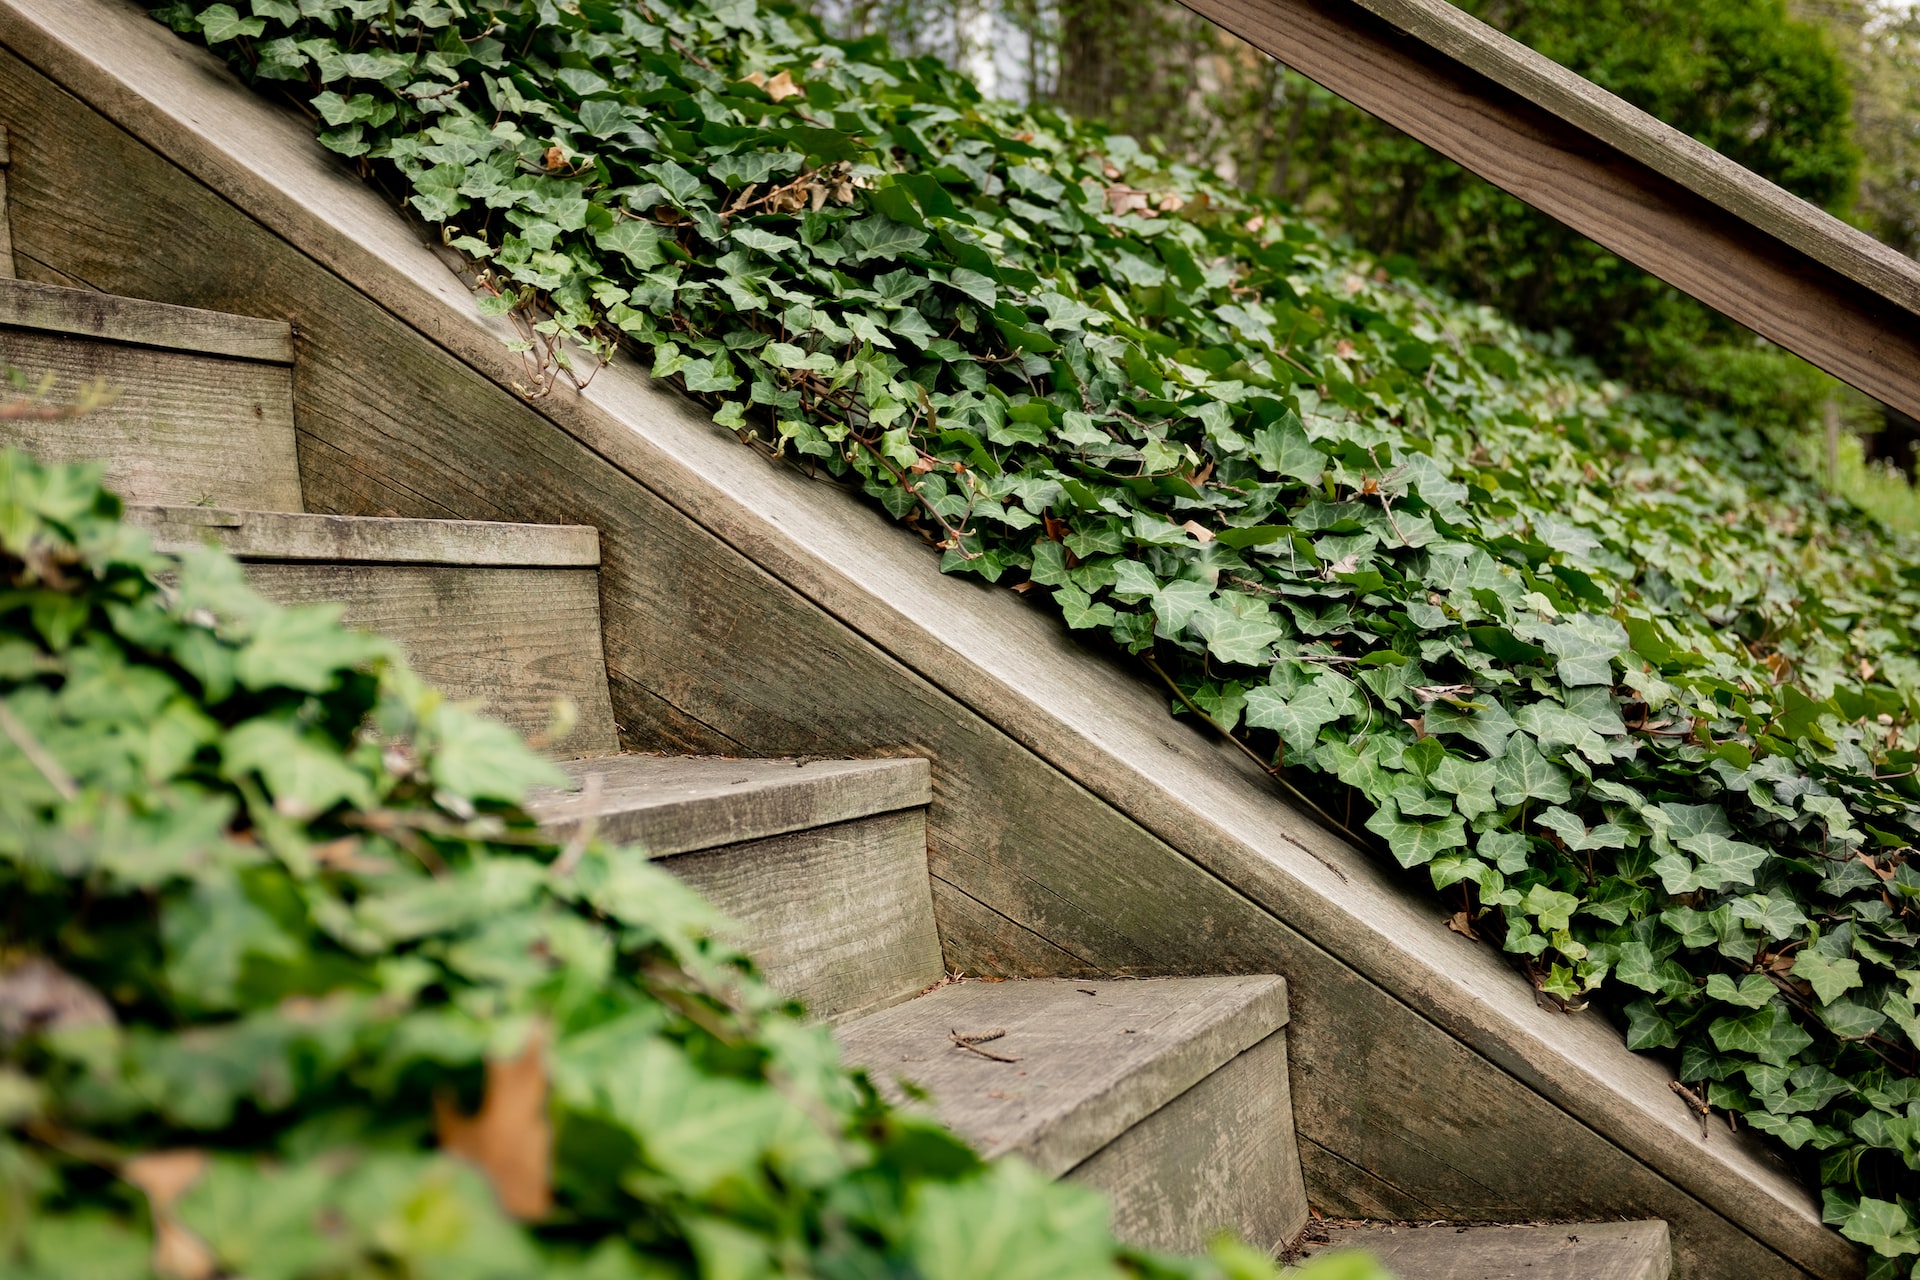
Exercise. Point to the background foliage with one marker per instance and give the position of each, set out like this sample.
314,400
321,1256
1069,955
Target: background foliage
1638,701
1764,82
275,926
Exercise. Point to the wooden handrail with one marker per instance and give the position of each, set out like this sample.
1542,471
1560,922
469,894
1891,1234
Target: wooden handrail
1653,195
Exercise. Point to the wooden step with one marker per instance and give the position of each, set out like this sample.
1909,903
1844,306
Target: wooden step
822,863
504,614
1567,1251
1168,1094
202,408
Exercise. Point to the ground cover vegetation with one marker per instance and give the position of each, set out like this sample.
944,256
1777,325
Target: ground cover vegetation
292,990
1639,700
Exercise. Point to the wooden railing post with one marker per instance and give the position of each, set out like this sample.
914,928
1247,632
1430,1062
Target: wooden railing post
1651,194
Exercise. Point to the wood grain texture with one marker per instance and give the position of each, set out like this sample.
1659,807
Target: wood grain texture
6,235
1566,1251
840,917
274,535
86,313
749,610
1094,1058
1220,1157
1658,198
514,640
679,804
182,428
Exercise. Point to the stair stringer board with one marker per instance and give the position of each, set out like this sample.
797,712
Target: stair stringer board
1076,828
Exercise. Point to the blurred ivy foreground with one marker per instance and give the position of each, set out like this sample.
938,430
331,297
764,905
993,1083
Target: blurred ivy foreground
292,990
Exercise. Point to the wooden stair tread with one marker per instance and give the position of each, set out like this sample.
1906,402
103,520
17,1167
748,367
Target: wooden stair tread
1576,1251
1094,1058
681,804
85,313
296,537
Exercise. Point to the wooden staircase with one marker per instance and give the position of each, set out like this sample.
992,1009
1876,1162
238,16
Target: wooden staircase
1170,1094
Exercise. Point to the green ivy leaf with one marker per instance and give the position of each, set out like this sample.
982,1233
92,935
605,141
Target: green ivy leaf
1768,1034
1416,843
1523,775
222,22
1830,978
1883,1227
304,648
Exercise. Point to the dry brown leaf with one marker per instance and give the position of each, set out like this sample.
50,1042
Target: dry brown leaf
1460,923
38,995
510,1137
782,87
1124,200
164,1176
1198,530
556,159
758,79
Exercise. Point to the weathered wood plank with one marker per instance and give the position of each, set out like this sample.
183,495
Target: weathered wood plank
515,640
1656,197
1094,1058
757,612
39,271
6,236
84,313
275,535
680,804
839,917
182,428
1563,1251
1220,1157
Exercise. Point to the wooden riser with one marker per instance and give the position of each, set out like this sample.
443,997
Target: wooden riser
502,614
1220,1157
821,864
203,403
1567,1251
514,640
1170,1095
839,917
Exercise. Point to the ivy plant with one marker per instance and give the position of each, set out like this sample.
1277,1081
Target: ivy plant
1630,692
293,990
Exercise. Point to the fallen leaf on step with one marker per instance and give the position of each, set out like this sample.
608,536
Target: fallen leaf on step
510,1137
1460,923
